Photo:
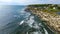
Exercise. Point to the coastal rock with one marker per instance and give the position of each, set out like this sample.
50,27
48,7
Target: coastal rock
52,19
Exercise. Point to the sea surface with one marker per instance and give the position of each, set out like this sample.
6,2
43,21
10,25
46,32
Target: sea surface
14,20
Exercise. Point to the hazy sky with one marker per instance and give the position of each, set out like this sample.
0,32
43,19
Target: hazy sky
26,2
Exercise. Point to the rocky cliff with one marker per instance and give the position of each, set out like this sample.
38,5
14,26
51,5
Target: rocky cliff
47,13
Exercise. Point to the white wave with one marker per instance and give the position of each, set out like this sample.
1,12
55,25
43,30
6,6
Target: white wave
21,22
35,33
30,21
45,31
36,26
24,13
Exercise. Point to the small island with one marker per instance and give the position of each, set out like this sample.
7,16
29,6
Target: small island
49,13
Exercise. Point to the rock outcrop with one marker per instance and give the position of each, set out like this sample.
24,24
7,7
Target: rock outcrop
52,19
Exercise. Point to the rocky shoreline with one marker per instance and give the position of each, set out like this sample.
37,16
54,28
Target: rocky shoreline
52,20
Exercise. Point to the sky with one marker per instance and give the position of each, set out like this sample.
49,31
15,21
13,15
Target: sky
27,2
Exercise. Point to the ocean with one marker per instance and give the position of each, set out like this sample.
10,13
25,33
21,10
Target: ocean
14,20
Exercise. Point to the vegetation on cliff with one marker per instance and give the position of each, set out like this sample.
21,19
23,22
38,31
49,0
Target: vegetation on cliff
47,7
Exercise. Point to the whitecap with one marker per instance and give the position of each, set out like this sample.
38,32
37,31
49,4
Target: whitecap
45,31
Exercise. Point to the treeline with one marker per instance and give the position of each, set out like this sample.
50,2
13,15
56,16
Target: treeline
38,5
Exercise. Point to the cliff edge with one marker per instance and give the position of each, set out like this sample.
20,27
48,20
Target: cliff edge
47,13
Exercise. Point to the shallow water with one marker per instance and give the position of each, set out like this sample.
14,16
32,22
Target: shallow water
14,20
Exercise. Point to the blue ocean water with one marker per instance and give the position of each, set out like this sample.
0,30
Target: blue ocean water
10,15
14,20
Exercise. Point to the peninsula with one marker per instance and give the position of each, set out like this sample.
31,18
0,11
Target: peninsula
48,13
